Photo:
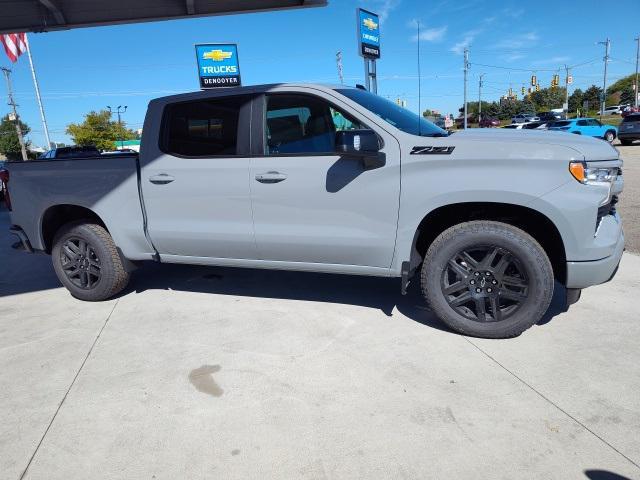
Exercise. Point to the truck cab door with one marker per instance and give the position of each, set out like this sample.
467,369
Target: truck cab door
195,179
312,205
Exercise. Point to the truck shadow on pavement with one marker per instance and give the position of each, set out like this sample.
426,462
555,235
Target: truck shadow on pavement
373,292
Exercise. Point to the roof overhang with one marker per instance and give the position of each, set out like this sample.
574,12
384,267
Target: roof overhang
46,15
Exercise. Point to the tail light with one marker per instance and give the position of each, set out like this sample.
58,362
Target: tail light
4,178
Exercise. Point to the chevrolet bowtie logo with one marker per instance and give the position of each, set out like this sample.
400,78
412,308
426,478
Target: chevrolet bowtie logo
216,55
370,24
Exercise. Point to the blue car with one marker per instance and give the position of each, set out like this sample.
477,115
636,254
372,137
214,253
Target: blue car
586,126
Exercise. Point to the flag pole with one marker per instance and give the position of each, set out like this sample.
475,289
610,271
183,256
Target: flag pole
35,84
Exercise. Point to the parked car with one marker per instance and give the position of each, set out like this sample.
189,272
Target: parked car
69,152
380,192
522,126
586,126
550,116
612,110
629,129
525,117
489,122
541,125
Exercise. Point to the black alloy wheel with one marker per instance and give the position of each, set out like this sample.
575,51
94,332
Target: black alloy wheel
485,283
80,263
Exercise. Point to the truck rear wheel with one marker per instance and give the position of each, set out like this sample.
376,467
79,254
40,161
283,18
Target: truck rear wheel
487,279
87,262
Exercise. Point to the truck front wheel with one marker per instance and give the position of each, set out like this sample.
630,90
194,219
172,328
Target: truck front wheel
487,279
87,262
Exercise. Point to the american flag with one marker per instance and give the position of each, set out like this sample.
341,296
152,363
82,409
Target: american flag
15,44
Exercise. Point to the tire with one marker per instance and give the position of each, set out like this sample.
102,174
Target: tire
610,136
626,143
499,298
87,262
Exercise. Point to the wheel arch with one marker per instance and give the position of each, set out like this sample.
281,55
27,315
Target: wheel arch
532,221
56,216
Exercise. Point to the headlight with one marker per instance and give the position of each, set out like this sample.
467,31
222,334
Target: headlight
593,176
603,177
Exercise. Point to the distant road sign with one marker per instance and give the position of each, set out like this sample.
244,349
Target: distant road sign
218,65
368,34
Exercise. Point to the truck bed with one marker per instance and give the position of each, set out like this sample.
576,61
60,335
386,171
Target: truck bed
107,185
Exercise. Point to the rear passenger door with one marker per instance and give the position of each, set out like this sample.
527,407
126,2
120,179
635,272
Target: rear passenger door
195,181
311,205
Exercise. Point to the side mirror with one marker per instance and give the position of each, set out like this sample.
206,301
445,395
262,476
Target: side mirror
363,144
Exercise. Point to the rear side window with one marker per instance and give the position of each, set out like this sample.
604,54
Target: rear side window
203,128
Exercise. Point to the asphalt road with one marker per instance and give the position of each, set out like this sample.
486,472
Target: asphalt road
202,373
629,206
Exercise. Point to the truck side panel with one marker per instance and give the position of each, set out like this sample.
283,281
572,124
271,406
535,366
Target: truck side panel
108,186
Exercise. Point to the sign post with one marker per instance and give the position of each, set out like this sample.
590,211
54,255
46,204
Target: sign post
369,45
218,65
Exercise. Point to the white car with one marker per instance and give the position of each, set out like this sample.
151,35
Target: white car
521,126
613,110
524,118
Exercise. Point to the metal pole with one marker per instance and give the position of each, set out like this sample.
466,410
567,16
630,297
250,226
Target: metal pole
23,148
480,99
566,87
466,69
339,65
637,89
367,77
37,88
607,44
374,77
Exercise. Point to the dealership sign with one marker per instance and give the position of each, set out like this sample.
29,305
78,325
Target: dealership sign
218,65
368,34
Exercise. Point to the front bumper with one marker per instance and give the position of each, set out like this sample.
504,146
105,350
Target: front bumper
588,273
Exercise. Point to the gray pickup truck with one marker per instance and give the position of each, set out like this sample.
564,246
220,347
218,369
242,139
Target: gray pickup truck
335,179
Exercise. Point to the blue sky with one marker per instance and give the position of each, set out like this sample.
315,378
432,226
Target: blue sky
86,69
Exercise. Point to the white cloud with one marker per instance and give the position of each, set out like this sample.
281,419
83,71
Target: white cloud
383,7
467,38
427,34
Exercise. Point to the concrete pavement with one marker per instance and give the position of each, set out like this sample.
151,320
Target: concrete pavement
220,373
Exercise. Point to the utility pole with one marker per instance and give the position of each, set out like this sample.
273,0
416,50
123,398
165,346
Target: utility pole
339,65
607,46
480,99
118,111
566,93
637,89
16,118
466,71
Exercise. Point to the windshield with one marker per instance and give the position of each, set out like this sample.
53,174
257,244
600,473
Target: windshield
399,117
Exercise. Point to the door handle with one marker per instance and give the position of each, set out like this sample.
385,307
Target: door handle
161,179
271,177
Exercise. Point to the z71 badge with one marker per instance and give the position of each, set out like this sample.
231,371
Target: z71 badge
432,150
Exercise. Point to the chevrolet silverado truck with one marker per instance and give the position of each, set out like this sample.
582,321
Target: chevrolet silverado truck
339,180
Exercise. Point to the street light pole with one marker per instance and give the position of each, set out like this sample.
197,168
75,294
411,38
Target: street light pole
119,112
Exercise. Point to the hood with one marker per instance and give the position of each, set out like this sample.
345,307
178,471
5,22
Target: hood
537,140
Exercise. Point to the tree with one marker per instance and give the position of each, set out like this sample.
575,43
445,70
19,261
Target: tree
592,95
99,130
575,100
9,143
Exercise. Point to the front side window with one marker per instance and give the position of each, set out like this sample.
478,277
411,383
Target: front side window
303,124
581,123
203,128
